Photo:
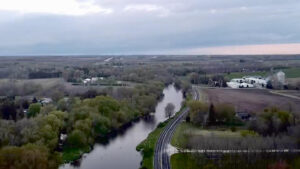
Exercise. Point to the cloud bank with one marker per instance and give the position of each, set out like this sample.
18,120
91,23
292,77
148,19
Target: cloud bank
34,27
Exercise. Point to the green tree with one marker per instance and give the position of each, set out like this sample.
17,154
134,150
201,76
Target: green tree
198,111
28,157
34,109
169,110
77,139
224,112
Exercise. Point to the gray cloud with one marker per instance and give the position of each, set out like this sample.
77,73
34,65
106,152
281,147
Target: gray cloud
168,25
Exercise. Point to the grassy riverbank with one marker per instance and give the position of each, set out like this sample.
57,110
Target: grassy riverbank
72,154
147,146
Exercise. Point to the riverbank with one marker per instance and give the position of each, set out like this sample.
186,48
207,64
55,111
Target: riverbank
126,139
70,154
113,117
147,146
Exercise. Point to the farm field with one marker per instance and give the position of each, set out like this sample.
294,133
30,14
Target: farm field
251,100
295,93
293,72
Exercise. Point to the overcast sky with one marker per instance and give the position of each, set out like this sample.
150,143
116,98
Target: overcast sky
34,27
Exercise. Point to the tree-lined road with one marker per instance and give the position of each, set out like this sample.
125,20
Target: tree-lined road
161,157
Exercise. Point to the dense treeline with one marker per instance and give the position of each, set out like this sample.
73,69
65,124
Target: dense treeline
81,120
41,74
208,115
31,143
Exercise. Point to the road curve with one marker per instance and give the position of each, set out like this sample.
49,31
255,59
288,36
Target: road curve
161,157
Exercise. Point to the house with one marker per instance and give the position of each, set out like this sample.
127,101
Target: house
238,80
248,82
86,81
246,85
45,101
257,81
94,80
239,83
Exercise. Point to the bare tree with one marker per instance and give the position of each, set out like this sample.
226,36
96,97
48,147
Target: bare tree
169,110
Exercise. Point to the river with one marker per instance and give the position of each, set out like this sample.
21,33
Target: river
120,151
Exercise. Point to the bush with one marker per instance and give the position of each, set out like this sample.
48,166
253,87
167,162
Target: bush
77,139
34,109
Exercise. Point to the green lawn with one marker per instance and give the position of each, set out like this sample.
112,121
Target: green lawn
181,134
242,74
184,161
292,72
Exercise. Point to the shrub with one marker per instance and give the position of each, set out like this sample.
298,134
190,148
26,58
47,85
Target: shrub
34,109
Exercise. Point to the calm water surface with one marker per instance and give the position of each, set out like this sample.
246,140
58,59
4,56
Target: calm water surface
120,152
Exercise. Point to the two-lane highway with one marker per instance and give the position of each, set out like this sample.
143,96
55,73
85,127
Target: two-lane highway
161,157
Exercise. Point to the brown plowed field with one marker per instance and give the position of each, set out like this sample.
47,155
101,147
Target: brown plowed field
251,100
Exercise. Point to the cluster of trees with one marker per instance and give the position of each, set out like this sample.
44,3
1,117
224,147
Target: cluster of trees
43,74
29,156
271,129
97,117
14,109
16,88
272,122
42,129
204,114
239,143
212,80
31,143
81,119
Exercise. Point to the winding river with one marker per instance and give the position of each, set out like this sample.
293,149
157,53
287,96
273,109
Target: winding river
120,152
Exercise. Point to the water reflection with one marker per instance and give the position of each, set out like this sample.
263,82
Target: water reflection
119,151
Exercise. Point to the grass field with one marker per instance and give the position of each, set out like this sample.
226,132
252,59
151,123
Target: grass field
242,74
292,72
289,72
186,130
184,161
245,161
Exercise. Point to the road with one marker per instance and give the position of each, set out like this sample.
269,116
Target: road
161,157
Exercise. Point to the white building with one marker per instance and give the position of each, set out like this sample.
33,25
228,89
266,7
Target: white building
256,81
247,82
86,81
